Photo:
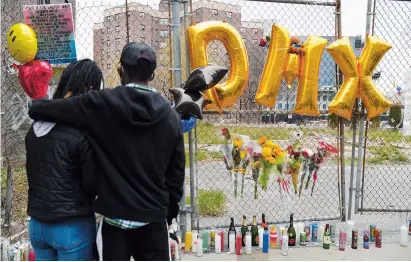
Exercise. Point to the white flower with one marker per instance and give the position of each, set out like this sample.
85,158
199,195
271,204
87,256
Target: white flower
309,152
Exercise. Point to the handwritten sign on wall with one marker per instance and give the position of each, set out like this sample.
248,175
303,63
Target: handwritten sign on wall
54,28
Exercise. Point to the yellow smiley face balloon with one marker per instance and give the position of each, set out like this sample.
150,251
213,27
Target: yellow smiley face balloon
22,43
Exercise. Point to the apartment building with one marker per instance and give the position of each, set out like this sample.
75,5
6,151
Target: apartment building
151,26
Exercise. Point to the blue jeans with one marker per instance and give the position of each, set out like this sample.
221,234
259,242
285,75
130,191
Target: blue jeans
70,240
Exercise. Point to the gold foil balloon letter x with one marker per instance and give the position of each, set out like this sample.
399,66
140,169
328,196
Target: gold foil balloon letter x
357,77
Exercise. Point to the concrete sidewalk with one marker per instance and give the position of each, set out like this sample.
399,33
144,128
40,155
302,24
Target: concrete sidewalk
390,252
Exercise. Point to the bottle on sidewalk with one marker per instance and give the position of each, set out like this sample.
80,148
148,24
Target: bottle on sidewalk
366,239
327,237
231,230
291,232
265,241
254,233
244,229
343,240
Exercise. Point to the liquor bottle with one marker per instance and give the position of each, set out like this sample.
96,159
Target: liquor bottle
231,230
265,225
327,237
244,230
291,233
254,233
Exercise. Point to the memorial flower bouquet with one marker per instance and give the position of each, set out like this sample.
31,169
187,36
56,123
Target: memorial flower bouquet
307,155
240,161
324,152
226,148
254,152
294,162
272,162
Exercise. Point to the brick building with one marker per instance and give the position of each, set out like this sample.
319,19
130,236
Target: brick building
151,26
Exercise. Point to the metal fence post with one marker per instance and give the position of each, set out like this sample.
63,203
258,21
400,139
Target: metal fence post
361,121
340,119
176,53
190,133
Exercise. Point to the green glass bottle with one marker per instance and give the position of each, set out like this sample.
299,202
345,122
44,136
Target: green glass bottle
254,233
327,237
291,233
244,230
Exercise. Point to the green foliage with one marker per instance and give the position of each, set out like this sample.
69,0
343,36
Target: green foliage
394,116
387,154
210,202
332,120
375,122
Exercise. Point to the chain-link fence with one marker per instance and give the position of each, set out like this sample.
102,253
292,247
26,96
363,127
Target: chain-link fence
104,27
386,177
254,20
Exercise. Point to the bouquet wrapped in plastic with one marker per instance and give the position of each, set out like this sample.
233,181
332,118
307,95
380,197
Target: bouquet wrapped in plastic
294,162
254,152
272,162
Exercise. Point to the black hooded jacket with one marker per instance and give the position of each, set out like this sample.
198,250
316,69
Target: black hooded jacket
138,141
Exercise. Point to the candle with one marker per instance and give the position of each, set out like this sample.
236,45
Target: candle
221,233
218,243
189,240
300,226
248,243
238,244
199,246
321,233
284,246
194,242
265,241
205,241
260,237
232,243
404,236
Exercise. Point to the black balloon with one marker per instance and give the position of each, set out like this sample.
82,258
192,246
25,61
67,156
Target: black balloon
204,77
189,103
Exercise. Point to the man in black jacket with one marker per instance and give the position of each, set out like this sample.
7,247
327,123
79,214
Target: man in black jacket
139,143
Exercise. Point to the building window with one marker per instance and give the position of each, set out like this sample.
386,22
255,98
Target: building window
142,39
108,18
280,106
324,106
280,98
142,14
142,27
118,41
108,42
108,30
163,21
255,30
292,106
243,30
214,12
229,15
255,41
324,98
164,33
117,16
117,28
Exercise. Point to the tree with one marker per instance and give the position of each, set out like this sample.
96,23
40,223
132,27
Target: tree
395,116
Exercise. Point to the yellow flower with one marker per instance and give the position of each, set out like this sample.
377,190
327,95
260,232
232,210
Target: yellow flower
243,154
269,143
266,152
238,142
256,164
262,140
271,160
277,152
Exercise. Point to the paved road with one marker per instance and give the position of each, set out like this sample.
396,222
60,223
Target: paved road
386,187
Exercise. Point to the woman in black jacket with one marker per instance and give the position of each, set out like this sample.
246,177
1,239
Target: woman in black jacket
61,173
